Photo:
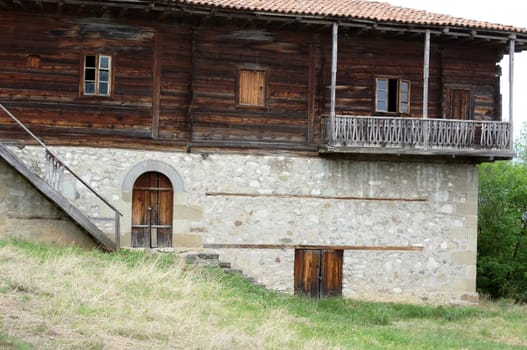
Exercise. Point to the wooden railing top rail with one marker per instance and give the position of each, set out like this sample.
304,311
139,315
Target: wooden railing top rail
324,116
417,133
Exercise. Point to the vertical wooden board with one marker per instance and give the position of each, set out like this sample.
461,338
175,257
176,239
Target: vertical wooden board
331,273
299,271
156,84
164,237
165,197
140,237
139,204
259,88
460,104
307,272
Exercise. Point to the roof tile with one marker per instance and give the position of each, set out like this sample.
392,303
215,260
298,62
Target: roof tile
354,9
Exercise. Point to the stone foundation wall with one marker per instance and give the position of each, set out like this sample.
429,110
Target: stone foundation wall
25,213
276,199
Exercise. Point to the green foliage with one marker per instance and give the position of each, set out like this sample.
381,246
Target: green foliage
502,238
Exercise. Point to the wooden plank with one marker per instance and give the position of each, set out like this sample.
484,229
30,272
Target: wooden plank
156,84
311,93
283,195
191,92
307,272
331,273
306,246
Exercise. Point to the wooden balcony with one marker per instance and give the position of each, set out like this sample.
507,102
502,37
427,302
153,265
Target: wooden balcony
416,136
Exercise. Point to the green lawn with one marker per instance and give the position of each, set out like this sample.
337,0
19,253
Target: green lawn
69,298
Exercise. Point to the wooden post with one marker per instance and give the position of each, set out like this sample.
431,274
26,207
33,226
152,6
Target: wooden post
156,85
511,87
426,73
333,85
311,98
117,229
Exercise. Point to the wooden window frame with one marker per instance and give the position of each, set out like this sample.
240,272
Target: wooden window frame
238,94
399,103
97,81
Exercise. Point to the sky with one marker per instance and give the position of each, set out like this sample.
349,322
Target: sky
503,12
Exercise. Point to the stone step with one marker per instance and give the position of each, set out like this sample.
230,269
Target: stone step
225,265
213,260
203,259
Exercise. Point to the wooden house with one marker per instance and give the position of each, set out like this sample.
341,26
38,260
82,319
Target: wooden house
323,147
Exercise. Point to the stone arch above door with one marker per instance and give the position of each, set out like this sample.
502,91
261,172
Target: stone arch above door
150,165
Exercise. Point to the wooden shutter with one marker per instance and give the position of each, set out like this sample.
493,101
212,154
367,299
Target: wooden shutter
252,87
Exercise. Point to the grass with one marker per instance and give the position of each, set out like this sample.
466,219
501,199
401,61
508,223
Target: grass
68,298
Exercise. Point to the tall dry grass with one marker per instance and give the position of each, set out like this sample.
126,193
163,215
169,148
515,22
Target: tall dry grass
64,299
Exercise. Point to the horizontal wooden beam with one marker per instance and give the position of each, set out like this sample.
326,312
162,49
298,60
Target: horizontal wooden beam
306,246
303,196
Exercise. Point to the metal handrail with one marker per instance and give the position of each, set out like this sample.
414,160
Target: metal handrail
55,158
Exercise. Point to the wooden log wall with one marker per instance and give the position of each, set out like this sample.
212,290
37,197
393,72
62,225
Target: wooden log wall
363,58
473,68
46,94
216,116
175,86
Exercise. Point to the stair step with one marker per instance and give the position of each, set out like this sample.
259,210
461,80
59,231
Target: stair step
208,256
234,271
203,259
225,265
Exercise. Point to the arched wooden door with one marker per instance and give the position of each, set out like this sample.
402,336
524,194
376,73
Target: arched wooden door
152,201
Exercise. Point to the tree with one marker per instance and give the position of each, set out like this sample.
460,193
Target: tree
502,226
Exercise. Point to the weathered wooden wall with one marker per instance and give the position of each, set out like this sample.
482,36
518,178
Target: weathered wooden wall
216,116
47,98
362,58
175,86
472,67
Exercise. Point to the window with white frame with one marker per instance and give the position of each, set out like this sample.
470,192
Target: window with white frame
392,95
97,75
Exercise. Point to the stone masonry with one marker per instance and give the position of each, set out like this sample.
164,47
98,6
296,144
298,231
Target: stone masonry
25,213
283,199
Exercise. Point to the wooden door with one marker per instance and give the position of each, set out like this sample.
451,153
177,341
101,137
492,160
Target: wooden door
152,202
318,273
460,106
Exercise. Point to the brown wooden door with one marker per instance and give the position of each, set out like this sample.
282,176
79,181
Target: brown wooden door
459,107
152,211
318,273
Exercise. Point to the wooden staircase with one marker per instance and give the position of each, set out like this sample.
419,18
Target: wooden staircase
50,187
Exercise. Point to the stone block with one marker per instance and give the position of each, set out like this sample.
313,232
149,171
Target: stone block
464,285
471,298
188,212
464,258
180,198
467,208
180,226
187,241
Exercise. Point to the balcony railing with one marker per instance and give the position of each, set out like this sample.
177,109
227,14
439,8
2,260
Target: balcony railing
443,136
